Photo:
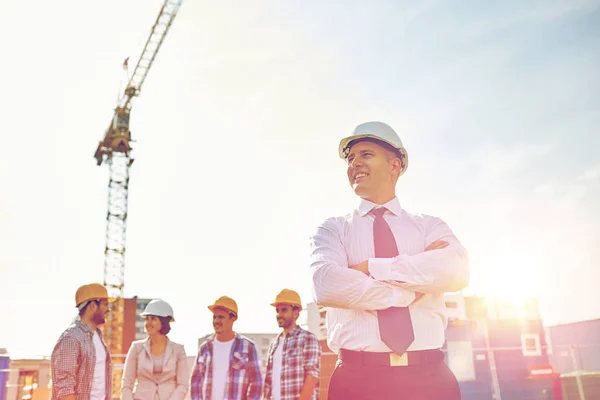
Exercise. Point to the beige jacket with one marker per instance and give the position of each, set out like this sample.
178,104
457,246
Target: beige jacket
171,384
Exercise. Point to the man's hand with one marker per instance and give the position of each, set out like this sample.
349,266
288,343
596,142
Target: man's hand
362,267
438,244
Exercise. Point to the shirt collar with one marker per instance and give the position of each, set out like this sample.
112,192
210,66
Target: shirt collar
213,337
147,342
366,206
295,330
83,326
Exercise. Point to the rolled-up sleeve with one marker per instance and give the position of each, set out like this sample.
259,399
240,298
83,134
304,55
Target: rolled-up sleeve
65,363
311,353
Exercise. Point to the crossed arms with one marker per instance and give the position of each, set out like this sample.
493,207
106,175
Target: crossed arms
380,283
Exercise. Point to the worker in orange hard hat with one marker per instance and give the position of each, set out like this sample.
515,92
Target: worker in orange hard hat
227,366
81,367
294,360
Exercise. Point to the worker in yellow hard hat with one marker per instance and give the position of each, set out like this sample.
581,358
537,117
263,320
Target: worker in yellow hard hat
294,360
81,366
227,365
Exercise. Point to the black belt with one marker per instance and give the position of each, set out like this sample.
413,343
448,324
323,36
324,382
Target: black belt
391,359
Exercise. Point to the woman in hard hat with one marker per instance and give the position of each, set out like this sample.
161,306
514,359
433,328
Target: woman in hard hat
157,364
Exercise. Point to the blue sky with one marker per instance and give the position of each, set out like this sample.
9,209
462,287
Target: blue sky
237,128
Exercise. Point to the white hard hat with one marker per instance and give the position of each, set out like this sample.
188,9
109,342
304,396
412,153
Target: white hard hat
159,308
375,130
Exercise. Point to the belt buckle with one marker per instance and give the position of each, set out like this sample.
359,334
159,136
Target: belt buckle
399,360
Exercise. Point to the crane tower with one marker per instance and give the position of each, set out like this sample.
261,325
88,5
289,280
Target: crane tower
115,151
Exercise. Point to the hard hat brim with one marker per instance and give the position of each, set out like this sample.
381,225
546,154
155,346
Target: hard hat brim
161,316
345,142
110,300
215,306
286,302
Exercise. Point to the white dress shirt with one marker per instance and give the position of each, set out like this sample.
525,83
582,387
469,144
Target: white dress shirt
353,297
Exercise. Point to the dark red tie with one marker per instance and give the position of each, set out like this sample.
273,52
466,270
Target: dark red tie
395,325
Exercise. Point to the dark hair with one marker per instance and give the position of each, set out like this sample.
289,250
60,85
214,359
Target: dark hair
82,310
165,325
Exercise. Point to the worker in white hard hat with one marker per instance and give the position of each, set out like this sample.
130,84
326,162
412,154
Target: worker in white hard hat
294,358
156,367
227,366
81,366
382,273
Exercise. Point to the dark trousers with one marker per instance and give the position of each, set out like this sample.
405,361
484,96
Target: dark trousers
416,382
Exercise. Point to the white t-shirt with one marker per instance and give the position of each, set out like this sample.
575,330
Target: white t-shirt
220,367
99,380
276,377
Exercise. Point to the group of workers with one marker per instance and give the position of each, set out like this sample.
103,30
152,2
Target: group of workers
226,367
380,271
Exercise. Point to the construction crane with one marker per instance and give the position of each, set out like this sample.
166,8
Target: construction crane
115,150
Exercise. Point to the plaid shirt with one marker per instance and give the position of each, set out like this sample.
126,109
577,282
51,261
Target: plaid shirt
301,357
73,361
244,381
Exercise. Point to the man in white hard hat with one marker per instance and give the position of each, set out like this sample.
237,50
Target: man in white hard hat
294,359
81,367
382,272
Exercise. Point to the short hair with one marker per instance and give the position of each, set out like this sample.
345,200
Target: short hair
165,325
82,307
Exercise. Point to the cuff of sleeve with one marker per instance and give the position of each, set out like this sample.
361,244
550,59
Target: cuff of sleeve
314,374
381,268
62,393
